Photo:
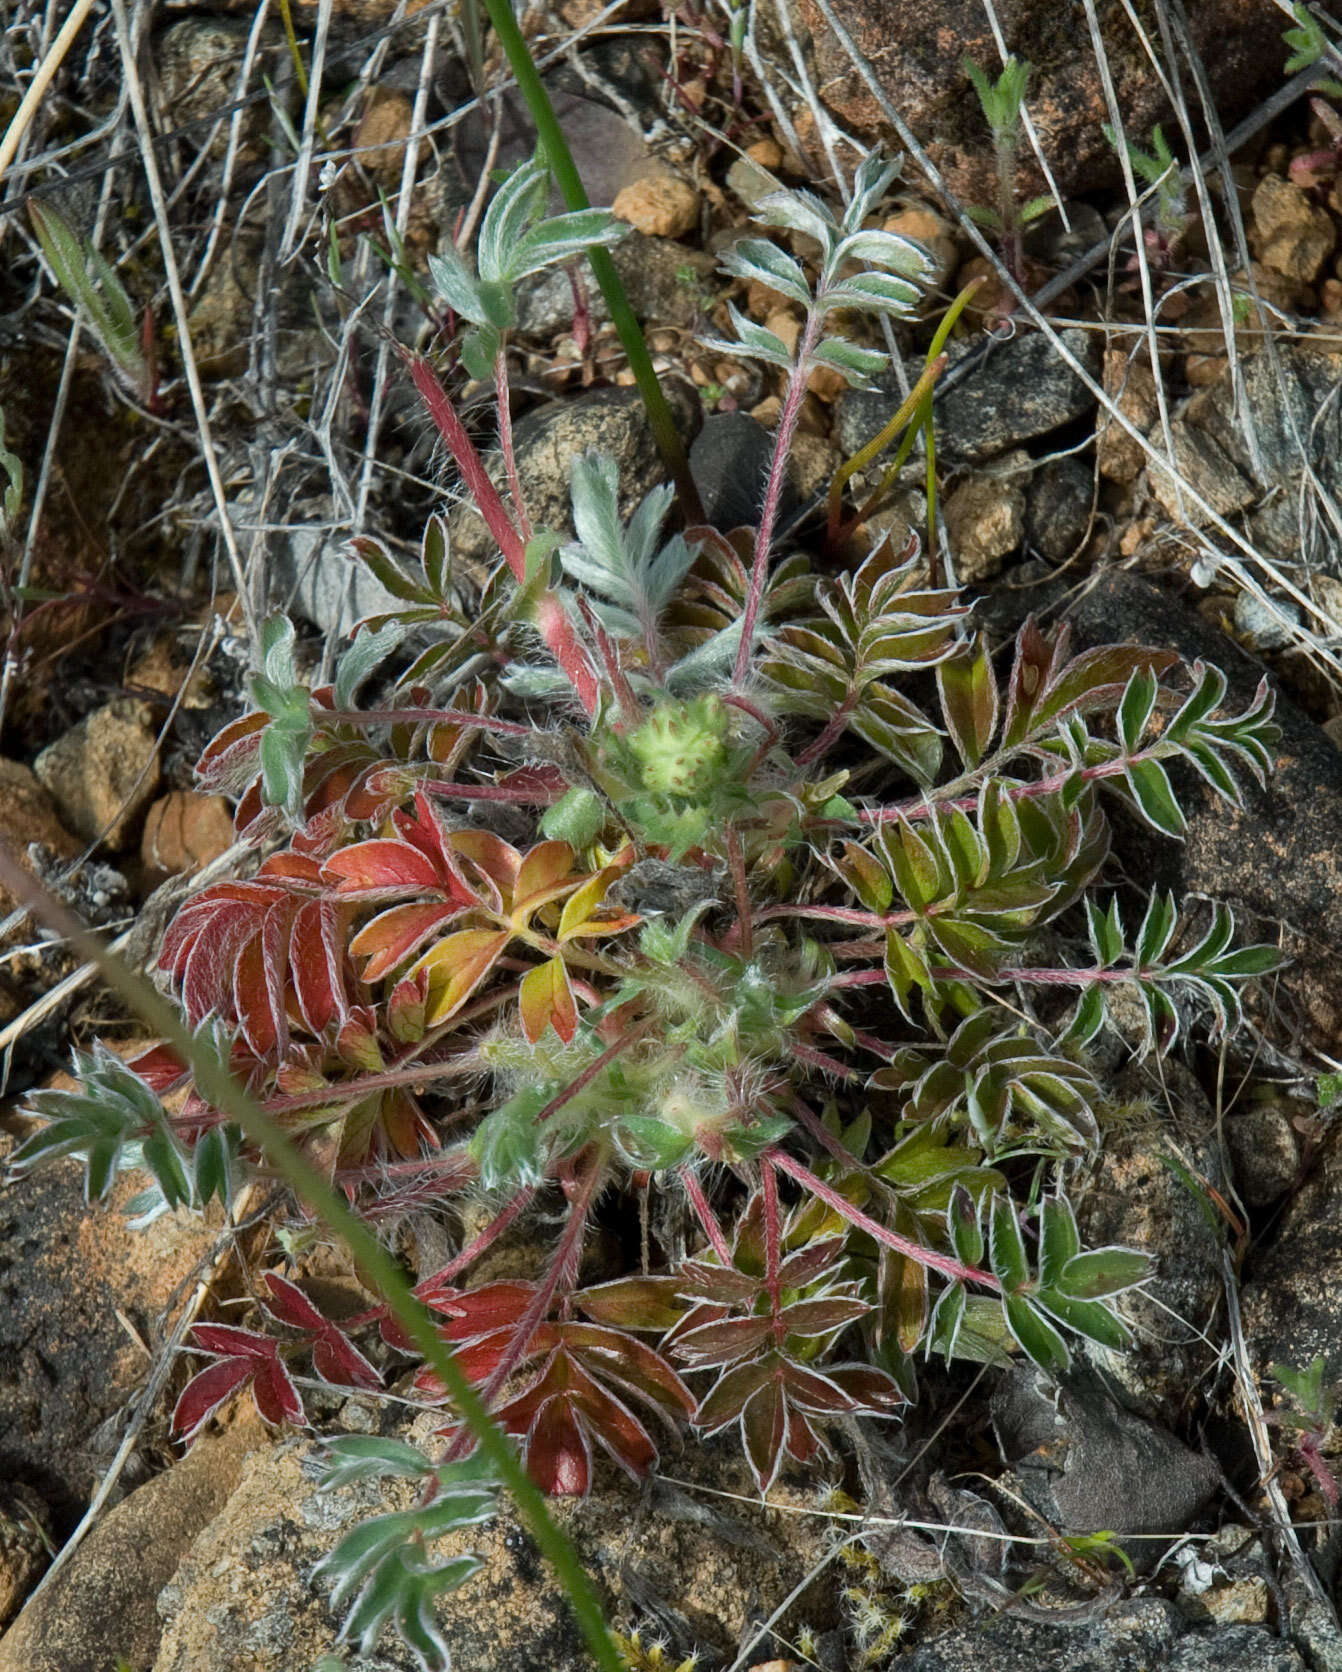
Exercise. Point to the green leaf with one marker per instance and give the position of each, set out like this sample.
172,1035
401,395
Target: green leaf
507,1143
368,651
653,1144
1102,1272
577,818
1058,1239
1035,1334
968,689
1090,1318
1007,1246
1154,795
962,1217
757,260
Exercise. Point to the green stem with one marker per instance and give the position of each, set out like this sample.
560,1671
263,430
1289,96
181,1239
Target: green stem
565,170
218,1086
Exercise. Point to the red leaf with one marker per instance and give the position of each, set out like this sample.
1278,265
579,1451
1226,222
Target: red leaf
633,1303
728,1397
545,999
764,1430
393,935
315,960
721,1343
336,1359
380,869
205,1393
230,1339
277,1399
289,1304
558,1456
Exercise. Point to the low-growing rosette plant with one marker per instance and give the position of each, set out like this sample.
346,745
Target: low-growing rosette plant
675,864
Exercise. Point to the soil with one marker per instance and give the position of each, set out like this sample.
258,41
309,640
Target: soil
124,627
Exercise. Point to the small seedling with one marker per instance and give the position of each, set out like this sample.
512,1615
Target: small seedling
1160,171
1003,101
1308,1418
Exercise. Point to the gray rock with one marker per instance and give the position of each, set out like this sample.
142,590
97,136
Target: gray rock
1136,1636
1292,1301
1135,1196
548,440
1021,390
1264,1151
317,576
915,54
1266,626
1088,1465
668,284
1145,1635
1057,507
1291,406
730,460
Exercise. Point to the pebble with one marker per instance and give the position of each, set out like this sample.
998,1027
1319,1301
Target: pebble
1262,624
1290,234
102,774
659,205
185,830
986,518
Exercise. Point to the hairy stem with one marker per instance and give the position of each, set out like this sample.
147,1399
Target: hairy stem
773,493
705,1215
902,1245
506,440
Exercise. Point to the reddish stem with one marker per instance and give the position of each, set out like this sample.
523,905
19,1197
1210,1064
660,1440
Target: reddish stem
772,1247
551,616
773,494
707,1218
506,440
902,1245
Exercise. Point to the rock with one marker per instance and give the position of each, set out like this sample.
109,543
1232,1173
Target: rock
1202,465
1138,1194
1291,1300
666,283
812,463
916,53
1292,411
1057,507
546,443
102,774
185,830
102,1605
1264,1151
241,1600
197,62
1266,626
730,460
752,179
28,814
1289,233
1087,1465
25,1545
67,1364
380,139
659,205
1145,1634
1131,384
1020,391
985,515
322,580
